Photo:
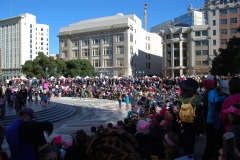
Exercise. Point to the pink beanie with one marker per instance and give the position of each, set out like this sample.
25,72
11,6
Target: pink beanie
57,139
67,143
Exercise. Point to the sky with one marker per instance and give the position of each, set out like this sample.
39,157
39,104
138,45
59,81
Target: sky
61,13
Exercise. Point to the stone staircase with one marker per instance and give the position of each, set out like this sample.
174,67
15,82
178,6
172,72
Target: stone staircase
55,112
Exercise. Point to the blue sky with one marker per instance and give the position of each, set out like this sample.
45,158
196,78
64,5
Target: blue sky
61,13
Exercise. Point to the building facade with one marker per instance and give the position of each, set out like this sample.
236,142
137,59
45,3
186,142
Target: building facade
21,38
186,50
192,18
115,45
161,26
224,18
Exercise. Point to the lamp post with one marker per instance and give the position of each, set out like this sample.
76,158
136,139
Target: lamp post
55,72
143,73
136,74
46,73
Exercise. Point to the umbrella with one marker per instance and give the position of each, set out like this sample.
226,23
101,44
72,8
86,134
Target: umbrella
34,78
115,77
106,76
62,77
154,76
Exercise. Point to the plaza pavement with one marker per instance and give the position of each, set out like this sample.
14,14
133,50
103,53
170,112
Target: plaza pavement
82,114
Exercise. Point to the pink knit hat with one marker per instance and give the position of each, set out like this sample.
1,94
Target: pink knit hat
67,143
143,127
57,139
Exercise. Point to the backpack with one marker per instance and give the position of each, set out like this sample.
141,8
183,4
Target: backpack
187,112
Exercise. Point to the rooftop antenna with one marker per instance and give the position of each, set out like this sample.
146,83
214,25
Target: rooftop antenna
145,16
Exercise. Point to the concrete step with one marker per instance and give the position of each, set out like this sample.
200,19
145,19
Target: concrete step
52,113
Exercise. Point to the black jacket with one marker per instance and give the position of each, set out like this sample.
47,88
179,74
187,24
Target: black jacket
77,152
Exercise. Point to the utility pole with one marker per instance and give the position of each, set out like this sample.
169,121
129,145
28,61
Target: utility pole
145,16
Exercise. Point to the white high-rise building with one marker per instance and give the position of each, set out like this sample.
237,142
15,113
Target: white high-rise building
21,38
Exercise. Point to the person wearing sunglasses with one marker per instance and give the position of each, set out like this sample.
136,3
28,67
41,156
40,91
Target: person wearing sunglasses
24,136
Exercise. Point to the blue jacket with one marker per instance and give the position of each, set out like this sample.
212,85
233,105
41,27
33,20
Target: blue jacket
19,149
213,98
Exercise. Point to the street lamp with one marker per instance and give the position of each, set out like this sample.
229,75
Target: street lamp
46,73
143,73
55,72
136,74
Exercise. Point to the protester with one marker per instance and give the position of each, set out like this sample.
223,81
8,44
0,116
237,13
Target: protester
24,136
189,96
47,152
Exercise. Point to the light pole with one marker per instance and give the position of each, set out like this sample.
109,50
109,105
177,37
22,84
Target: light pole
55,72
143,73
46,73
136,74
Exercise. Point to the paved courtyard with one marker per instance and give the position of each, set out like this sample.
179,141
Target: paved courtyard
81,114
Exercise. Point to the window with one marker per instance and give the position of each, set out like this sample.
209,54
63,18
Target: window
214,13
74,53
198,53
107,39
233,20
30,51
47,39
30,35
205,62
30,41
30,25
41,29
96,63
148,46
85,52
205,43
96,41
223,31
41,38
214,42
75,43
233,10
223,1
64,44
214,32
85,42
107,62
223,11
149,55
233,1
64,54
214,3
30,30
215,52
204,33
198,33
214,22
120,62
149,65
131,49
120,49
204,52
198,43
131,38
233,30
95,52
223,41
30,45
41,43
107,50
120,37
223,21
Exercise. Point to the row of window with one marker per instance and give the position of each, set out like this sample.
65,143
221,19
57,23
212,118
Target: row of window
201,43
106,62
225,31
224,1
225,11
225,21
201,33
201,52
107,39
36,28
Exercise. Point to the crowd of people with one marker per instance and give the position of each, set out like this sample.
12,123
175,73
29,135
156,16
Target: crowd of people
164,116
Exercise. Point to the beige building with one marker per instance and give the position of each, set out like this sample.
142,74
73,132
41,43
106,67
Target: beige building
223,16
186,50
114,45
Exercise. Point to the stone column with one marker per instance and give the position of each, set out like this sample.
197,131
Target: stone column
90,51
114,49
69,49
180,57
101,52
172,54
80,49
60,49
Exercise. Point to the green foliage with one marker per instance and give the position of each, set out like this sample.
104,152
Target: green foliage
73,68
227,62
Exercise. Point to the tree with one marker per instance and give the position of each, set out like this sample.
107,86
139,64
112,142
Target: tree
227,62
37,67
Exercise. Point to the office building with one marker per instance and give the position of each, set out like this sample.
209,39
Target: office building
115,45
161,26
223,16
21,38
186,50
